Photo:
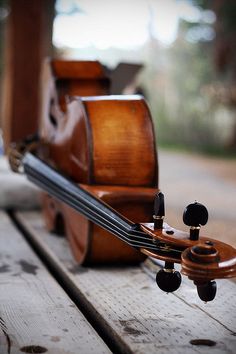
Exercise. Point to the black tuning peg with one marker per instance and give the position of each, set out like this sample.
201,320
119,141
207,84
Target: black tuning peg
168,279
195,215
207,291
159,210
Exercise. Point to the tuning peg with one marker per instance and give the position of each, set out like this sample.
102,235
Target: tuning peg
159,210
168,279
195,215
206,291
207,255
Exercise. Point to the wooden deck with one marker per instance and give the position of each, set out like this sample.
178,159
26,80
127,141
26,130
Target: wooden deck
49,304
36,315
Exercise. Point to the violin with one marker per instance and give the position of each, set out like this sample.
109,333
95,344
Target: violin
97,160
91,143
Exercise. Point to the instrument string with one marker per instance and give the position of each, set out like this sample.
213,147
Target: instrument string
58,192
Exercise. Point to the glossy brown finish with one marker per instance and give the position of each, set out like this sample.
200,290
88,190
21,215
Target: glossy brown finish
178,237
126,200
123,141
108,144
221,264
99,147
90,243
79,78
74,69
204,259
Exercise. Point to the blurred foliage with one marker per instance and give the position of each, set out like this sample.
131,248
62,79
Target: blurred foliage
189,94
225,32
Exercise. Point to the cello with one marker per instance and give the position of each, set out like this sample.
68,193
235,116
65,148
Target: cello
96,157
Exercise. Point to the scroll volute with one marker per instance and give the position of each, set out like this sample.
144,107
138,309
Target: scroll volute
201,260
209,259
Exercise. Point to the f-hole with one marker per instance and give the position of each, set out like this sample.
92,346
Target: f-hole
59,226
52,118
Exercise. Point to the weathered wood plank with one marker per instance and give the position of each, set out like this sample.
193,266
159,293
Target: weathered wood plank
141,318
36,315
222,309
16,191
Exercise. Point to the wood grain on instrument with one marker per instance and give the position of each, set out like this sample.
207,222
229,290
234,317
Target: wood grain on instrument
106,143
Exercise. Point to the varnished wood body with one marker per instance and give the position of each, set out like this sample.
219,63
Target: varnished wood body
108,144
79,78
90,243
105,140
213,259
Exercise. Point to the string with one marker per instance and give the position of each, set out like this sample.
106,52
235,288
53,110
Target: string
98,220
51,187
84,202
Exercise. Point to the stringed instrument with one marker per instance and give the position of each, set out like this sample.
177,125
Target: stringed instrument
89,141
96,157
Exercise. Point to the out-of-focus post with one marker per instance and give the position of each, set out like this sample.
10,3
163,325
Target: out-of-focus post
28,41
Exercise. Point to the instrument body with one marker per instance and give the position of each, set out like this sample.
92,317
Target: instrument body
106,143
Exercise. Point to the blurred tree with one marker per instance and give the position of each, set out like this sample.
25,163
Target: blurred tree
184,113
224,51
225,32
191,84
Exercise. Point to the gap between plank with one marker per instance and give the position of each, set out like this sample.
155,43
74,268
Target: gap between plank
60,274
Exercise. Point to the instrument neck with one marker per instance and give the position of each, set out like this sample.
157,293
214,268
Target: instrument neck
61,187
